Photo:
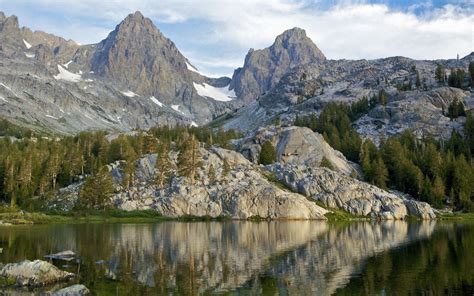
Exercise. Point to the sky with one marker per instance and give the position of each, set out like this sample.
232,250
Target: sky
215,35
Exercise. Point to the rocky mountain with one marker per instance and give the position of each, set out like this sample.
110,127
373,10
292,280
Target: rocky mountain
136,77
305,90
264,68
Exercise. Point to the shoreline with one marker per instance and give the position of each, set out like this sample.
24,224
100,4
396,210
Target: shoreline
39,218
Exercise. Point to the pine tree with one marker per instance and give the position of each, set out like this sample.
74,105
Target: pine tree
438,191
164,164
189,158
267,154
151,144
380,173
471,72
326,163
383,97
97,190
440,74
225,169
9,181
211,174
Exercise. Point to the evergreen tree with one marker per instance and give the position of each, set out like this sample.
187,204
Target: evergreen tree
418,80
189,158
164,164
380,173
383,97
97,190
151,144
471,72
456,109
225,169
456,78
440,74
326,163
211,174
438,192
267,154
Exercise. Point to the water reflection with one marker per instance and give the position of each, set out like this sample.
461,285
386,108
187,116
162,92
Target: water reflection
293,257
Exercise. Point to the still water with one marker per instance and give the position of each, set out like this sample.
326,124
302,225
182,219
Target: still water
250,258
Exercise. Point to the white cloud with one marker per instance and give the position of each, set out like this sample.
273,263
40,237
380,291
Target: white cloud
350,29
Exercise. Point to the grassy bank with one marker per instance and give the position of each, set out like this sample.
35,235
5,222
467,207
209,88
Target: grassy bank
456,216
17,218
149,216
110,216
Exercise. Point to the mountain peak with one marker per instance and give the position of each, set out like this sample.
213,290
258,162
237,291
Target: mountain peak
295,34
8,23
263,68
297,38
137,16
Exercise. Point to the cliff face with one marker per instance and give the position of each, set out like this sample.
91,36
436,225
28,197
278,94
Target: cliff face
136,77
264,68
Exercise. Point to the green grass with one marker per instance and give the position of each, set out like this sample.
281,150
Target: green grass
272,178
109,216
456,216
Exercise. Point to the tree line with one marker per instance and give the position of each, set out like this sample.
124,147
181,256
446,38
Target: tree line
437,171
33,167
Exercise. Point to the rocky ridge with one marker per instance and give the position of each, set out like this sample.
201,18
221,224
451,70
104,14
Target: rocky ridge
337,191
306,89
264,68
136,77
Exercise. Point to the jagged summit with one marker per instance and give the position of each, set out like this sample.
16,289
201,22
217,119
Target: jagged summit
264,68
295,35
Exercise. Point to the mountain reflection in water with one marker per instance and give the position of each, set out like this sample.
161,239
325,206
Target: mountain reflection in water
281,257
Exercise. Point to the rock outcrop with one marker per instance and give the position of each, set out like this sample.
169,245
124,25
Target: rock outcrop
337,191
295,145
33,273
74,290
245,193
280,191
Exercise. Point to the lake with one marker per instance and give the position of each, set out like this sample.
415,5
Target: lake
248,258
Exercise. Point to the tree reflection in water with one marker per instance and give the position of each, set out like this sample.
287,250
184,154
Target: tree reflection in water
291,257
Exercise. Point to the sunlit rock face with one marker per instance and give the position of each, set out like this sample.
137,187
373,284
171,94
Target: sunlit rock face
245,193
338,191
296,146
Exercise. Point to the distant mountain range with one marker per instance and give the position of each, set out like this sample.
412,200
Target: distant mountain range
137,78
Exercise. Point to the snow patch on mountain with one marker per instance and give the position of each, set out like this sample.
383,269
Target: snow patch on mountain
176,108
67,64
192,68
129,94
66,75
30,55
3,99
51,116
8,88
155,100
222,94
28,46
193,124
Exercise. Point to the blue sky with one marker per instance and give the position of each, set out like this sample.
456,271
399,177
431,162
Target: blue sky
216,34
